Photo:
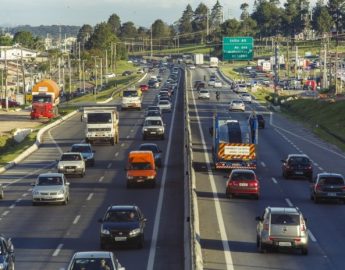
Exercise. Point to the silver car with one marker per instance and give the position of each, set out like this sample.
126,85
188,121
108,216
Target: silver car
164,105
282,227
50,188
237,105
72,163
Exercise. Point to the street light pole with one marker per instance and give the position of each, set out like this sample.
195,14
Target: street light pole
83,65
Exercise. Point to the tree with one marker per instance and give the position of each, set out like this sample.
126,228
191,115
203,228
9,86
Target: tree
245,14
230,28
336,9
185,22
128,30
322,21
24,38
216,18
101,38
84,34
199,22
5,40
115,24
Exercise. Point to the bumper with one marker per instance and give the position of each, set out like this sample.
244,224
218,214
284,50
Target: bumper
153,134
110,240
141,180
330,195
299,173
71,171
130,106
48,199
243,191
286,242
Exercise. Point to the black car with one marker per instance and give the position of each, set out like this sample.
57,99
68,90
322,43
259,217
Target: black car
127,73
86,151
330,186
153,113
122,224
297,165
7,256
157,152
261,120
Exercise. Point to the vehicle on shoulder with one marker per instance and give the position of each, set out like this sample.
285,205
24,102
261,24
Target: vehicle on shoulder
50,188
242,182
327,186
7,255
86,151
127,73
237,105
71,163
261,120
297,165
153,127
94,260
122,225
203,94
246,98
154,148
281,228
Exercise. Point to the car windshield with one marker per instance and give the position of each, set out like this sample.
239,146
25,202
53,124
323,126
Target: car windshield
164,102
237,101
81,149
242,176
153,123
149,147
92,264
204,91
121,216
70,158
284,219
130,93
49,181
140,166
97,118
298,160
331,180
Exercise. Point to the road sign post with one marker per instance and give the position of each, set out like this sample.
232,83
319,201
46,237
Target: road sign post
238,48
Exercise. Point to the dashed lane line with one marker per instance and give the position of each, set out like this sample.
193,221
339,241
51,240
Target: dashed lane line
289,202
89,197
57,250
75,221
274,180
101,179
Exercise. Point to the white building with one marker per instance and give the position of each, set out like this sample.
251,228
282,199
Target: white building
15,52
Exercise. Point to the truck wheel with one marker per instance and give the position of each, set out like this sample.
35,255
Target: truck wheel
112,141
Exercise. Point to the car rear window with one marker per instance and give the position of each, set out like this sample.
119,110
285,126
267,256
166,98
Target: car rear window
284,219
242,176
331,181
299,160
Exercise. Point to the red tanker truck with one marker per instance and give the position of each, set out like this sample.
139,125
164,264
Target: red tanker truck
45,97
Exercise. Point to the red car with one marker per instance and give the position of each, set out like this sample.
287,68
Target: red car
144,87
242,182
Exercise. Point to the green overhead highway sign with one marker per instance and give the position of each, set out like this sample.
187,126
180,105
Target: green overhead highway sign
238,48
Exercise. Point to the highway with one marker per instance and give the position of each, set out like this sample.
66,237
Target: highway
228,227
45,237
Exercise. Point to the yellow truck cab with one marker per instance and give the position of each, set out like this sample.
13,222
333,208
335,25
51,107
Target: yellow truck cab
141,168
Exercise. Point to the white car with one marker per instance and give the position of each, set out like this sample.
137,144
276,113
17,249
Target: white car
164,105
192,67
241,88
218,84
204,94
246,98
211,82
50,188
237,105
72,163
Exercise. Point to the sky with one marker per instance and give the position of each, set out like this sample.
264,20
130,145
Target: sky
79,12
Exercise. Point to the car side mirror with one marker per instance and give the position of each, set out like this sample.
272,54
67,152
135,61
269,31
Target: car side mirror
258,218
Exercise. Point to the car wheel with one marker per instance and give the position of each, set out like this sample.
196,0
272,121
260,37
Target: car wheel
162,137
92,163
257,241
34,203
304,251
153,184
256,197
1,194
65,202
312,197
112,141
144,137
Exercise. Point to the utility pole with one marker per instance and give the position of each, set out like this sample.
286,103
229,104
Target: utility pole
276,71
106,66
6,97
79,63
59,71
95,91
70,74
324,73
101,72
151,44
23,74
83,65
296,61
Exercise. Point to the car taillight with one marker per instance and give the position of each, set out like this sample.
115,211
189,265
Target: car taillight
318,187
309,167
297,239
343,188
303,227
253,184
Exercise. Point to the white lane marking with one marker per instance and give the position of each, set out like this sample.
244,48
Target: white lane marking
116,154
24,195
56,144
12,206
89,197
109,165
101,179
5,213
221,223
18,200
263,164
75,221
312,237
132,130
320,168
30,189
127,136
153,246
274,180
289,202
57,250
122,144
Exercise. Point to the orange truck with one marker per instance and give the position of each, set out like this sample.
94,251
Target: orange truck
141,168
45,98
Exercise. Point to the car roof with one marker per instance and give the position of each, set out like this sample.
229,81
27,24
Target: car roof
50,174
153,118
297,155
285,210
323,174
242,170
81,144
123,207
71,153
148,144
92,254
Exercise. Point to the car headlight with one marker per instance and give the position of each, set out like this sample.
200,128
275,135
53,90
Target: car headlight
151,177
105,231
129,177
145,129
160,129
35,192
134,232
60,192
60,167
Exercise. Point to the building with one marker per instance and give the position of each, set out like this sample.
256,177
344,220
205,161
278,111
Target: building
16,52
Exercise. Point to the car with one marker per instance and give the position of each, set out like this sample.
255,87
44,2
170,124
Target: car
109,75
153,127
153,83
261,120
140,71
153,113
246,98
127,73
297,165
211,82
50,188
330,186
157,152
203,94
153,108
159,78
241,88
282,227
218,84
94,260
144,87
164,105
71,163
10,102
237,105
86,151
242,182
122,224
7,255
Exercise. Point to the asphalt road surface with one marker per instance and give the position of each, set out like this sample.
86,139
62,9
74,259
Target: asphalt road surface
45,237
228,226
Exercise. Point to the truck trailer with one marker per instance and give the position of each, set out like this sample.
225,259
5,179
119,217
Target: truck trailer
102,124
45,98
214,62
234,143
198,59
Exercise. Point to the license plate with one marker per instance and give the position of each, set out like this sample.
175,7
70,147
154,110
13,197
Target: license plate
153,132
120,238
331,194
284,244
70,170
140,180
243,184
299,173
